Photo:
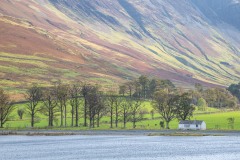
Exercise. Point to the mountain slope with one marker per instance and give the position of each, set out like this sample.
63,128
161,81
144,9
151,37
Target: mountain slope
227,11
111,41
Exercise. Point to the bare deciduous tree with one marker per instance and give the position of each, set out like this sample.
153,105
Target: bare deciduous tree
75,93
125,110
20,113
33,96
122,89
5,107
49,107
86,88
111,103
117,104
152,113
101,110
62,97
94,100
130,86
135,108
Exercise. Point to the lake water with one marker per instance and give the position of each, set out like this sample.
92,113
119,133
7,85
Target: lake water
119,147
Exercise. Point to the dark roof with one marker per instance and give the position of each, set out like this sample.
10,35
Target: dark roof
191,122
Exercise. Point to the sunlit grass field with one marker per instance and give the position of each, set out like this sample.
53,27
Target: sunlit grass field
214,118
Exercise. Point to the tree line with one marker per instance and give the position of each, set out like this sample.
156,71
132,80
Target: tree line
61,100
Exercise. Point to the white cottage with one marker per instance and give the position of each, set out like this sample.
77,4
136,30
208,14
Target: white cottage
192,125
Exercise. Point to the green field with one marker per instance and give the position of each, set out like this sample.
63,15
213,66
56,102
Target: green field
214,118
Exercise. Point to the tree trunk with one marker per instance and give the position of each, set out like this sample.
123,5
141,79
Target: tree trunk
61,115
111,118
167,125
90,119
85,112
116,120
76,116
32,120
124,118
144,92
134,121
65,110
50,120
98,120
72,116
93,122
49,117
90,123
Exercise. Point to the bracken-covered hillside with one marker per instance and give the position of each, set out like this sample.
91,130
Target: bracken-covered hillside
108,41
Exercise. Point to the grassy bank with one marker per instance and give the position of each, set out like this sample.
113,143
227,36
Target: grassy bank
132,132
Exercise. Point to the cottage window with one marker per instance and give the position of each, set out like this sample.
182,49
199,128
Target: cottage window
196,125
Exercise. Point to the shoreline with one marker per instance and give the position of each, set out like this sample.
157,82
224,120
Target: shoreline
118,133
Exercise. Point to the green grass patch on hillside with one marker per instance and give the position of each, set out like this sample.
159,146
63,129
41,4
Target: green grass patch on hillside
22,57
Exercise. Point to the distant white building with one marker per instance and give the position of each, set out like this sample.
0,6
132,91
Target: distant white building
192,125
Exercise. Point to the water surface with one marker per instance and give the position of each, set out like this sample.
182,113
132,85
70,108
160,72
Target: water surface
119,147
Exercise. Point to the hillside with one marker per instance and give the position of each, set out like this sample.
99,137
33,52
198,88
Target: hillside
227,11
109,42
